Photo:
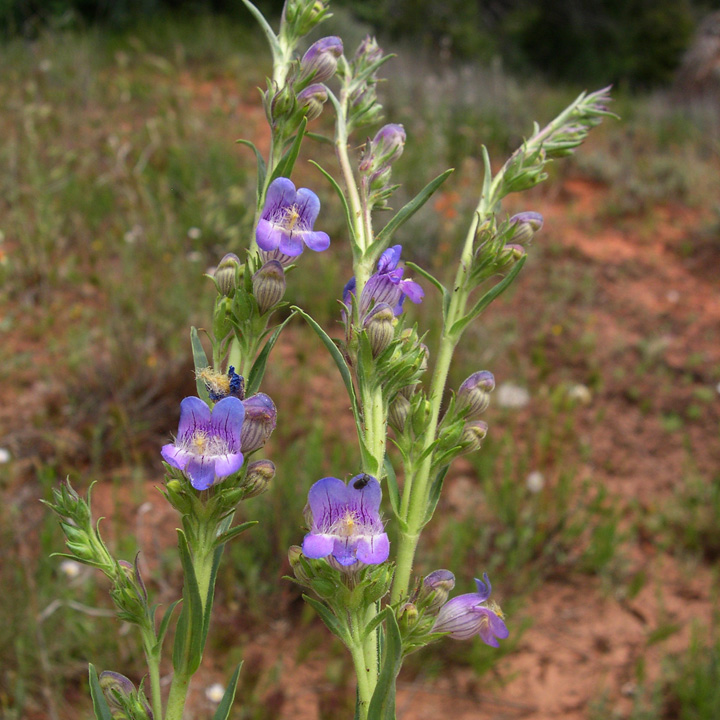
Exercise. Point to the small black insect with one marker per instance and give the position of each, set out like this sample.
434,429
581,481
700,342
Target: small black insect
362,481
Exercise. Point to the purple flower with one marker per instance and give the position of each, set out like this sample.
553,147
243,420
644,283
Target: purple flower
320,61
346,521
386,285
471,614
287,220
207,447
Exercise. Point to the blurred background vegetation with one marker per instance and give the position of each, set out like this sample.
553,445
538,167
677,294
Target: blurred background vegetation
633,42
121,185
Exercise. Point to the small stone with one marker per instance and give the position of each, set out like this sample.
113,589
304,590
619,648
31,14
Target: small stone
5,453
215,693
535,481
509,395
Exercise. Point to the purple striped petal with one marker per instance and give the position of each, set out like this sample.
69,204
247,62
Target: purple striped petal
229,464
373,549
268,235
201,471
194,415
280,194
327,499
317,545
227,419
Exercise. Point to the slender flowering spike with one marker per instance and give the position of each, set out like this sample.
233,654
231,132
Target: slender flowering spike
524,226
320,61
312,99
474,394
471,614
345,522
269,285
386,285
287,220
208,445
226,273
260,421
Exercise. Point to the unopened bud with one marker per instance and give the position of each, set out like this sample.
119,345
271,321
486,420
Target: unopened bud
398,412
524,226
408,615
420,417
383,150
511,253
259,422
259,475
473,434
368,52
436,588
320,61
474,393
269,285
312,99
226,274
282,103
380,327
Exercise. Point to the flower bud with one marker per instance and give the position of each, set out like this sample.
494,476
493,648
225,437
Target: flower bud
259,475
524,225
383,150
282,103
226,274
473,434
436,588
320,61
474,393
380,327
312,99
304,15
269,285
420,417
398,412
259,422
511,253
368,52
408,615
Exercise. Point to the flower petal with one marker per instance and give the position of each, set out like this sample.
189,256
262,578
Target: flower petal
307,205
327,499
176,457
344,550
389,259
201,471
291,242
268,235
317,545
373,549
484,588
280,194
413,290
227,420
316,240
228,464
363,497
194,415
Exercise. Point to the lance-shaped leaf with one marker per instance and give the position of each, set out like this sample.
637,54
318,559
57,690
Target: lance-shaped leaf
487,298
406,212
223,709
333,624
287,162
382,704
100,706
434,494
257,372
201,362
187,651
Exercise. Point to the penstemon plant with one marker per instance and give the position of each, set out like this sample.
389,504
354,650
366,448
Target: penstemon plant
363,590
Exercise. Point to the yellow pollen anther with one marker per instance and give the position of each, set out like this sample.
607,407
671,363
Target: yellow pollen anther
200,441
291,217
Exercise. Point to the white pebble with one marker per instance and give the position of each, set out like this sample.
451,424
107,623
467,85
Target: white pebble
215,693
535,481
70,569
509,395
4,455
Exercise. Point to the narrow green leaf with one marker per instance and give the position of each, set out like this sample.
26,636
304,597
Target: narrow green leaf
392,486
382,704
339,361
201,362
223,709
261,167
406,212
164,624
287,162
430,278
487,298
333,624
269,34
434,495
231,534
191,615
319,138
487,179
349,219
100,706
257,371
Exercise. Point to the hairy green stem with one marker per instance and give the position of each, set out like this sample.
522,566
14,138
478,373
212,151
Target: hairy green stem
153,662
363,669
